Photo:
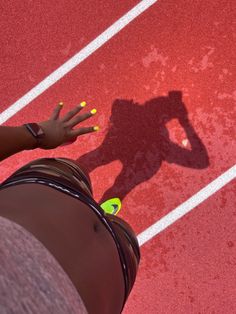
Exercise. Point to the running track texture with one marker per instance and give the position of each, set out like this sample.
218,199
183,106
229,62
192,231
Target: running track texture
176,180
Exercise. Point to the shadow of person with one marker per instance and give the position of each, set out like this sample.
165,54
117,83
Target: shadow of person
139,138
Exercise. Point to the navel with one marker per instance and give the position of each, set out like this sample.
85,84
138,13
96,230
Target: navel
96,227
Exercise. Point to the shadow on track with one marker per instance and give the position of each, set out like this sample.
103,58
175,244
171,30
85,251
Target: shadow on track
139,138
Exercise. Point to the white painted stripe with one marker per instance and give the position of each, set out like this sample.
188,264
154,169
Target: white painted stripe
76,60
187,206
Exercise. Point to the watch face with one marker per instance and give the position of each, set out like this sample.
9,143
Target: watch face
41,133
36,130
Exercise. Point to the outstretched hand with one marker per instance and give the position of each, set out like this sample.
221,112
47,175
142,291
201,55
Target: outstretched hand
60,131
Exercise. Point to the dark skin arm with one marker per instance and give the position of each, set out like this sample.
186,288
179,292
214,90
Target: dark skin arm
58,131
14,140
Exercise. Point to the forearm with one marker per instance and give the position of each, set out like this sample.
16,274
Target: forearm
14,140
192,136
198,156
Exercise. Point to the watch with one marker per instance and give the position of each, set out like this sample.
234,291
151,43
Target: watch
36,131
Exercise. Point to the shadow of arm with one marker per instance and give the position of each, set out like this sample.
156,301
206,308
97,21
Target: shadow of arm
196,158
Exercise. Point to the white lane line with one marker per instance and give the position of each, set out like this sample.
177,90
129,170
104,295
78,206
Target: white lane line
187,206
76,60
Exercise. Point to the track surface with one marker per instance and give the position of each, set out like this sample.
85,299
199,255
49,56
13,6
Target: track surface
173,46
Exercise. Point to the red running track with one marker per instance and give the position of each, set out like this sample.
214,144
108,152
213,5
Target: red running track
186,47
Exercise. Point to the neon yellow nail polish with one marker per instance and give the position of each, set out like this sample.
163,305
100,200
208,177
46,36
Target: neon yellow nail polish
96,128
93,111
83,104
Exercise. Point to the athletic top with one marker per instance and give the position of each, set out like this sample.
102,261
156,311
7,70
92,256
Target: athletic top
31,280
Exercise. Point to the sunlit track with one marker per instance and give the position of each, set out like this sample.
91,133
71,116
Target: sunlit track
187,206
76,60
187,255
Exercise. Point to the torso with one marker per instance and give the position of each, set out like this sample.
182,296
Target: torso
75,236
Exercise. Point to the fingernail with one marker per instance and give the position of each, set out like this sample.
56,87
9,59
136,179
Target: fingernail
83,104
96,128
61,103
93,111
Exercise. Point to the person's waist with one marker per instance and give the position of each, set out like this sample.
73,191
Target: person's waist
63,185
50,174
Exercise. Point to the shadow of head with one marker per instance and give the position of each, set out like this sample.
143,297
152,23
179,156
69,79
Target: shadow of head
160,109
141,127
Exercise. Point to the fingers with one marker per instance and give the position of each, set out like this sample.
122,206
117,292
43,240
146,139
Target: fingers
82,131
56,111
68,117
69,122
80,118
73,112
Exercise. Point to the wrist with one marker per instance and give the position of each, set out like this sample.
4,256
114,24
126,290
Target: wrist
30,142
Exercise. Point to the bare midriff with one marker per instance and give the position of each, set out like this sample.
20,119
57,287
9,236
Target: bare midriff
75,236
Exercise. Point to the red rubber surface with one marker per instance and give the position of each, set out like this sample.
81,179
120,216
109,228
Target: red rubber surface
189,267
